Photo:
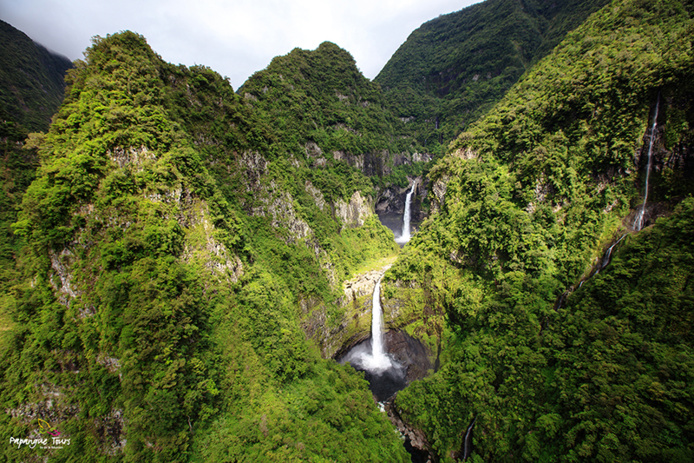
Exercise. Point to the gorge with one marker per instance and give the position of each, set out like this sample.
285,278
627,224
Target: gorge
187,269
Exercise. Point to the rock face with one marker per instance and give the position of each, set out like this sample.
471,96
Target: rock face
354,213
415,440
439,193
390,205
271,200
363,284
410,353
392,199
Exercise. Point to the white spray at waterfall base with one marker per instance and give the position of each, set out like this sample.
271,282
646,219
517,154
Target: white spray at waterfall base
372,356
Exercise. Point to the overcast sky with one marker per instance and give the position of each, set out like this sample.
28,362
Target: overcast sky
234,37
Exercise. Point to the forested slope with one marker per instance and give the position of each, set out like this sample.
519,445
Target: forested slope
172,251
534,194
31,80
31,90
452,69
183,247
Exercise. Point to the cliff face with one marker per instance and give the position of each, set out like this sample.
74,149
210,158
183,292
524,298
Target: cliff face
354,325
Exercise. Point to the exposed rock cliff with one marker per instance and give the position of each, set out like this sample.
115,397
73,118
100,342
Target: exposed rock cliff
354,213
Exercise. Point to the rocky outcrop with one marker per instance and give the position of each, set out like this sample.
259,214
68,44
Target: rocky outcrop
376,163
352,214
438,189
62,278
110,429
134,157
50,403
316,194
202,245
416,441
410,353
390,205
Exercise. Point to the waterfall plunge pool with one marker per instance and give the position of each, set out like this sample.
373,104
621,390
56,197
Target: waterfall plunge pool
410,357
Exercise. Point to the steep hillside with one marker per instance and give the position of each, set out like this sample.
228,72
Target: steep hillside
31,80
452,69
173,253
329,117
323,109
31,90
530,199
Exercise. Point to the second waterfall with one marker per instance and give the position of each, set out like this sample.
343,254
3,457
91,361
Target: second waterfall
384,374
406,235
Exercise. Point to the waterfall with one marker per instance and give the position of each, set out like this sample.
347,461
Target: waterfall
467,441
405,235
376,322
638,221
608,255
377,360
384,372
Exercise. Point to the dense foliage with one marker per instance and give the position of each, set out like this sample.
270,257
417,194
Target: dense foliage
323,110
535,192
31,90
452,69
167,269
179,242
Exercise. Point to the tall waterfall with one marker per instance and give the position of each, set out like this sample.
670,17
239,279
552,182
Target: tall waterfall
638,221
405,235
377,360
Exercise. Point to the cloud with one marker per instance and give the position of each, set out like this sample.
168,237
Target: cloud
235,38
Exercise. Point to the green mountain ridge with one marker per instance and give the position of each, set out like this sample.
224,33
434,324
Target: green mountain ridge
166,263
452,69
31,80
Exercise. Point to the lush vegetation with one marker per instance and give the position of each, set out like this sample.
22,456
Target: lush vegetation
179,241
452,69
31,80
324,111
171,255
535,192
31,90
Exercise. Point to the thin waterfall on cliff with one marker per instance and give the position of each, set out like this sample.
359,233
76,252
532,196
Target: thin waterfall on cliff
377,360
405,235
467,441
608,255
638,222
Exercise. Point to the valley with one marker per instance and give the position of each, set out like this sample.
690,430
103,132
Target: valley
495,233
